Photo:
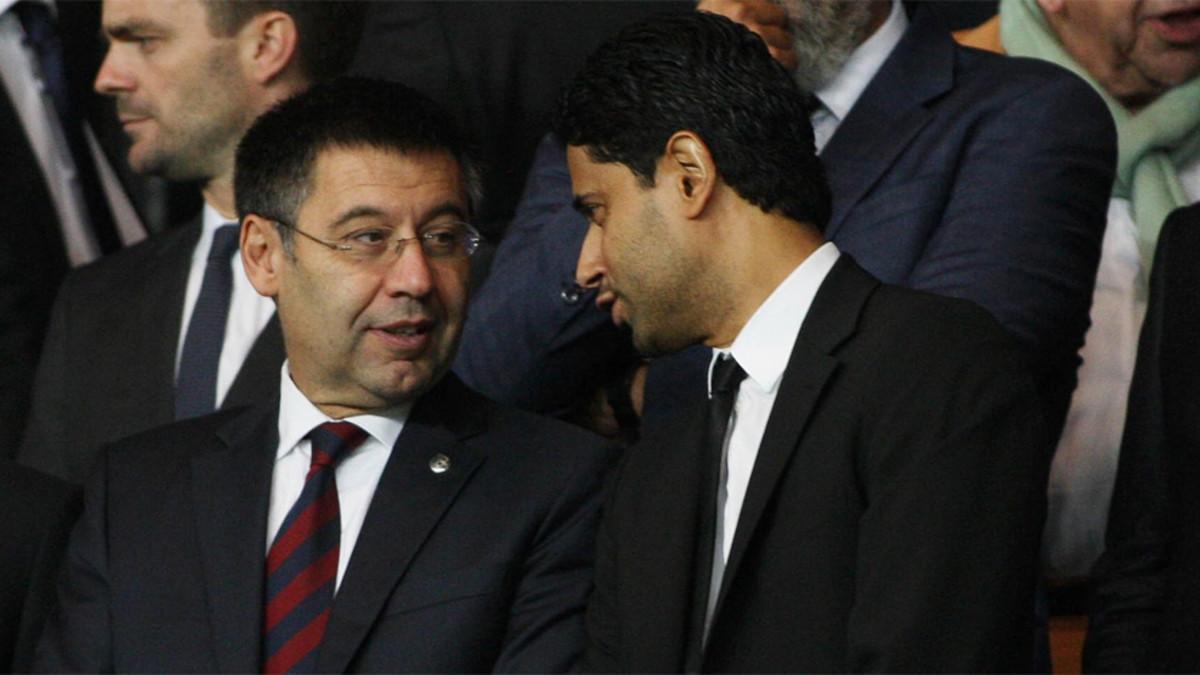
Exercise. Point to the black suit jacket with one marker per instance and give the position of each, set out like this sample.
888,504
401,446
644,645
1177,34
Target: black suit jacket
108,367
892,517
486,566
38,514
1147,582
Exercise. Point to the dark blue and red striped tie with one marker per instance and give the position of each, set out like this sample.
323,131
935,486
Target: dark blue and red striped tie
303,560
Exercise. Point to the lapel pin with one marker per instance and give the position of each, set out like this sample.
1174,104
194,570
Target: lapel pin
439,463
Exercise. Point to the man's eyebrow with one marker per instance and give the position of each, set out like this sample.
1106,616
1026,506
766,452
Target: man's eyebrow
580,204
129,30
367,211
446,209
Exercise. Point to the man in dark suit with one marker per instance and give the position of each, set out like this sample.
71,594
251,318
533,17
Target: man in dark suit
920,157
39,511
172,328
413,525
1147,581
863,489
62,212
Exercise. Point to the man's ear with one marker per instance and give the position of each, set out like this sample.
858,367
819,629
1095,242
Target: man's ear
263,254
688,167
268,44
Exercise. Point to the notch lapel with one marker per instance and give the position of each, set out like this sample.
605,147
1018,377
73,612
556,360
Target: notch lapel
408,503
888,114
231,489
163,308
832,319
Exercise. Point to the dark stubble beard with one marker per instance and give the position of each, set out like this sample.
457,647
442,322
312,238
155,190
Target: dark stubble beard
824,34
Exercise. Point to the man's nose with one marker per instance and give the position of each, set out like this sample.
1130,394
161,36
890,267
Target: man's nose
112,78
409,272
590,270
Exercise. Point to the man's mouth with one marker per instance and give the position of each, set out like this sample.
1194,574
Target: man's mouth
1179,26
405,336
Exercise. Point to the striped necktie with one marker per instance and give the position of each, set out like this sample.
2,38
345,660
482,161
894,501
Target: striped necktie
303,561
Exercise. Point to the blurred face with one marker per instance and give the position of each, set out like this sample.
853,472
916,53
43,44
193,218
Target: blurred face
179,90
1136,49
366,336
642,266
824,34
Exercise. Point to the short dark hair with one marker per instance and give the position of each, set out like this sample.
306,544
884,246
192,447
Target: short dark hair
275,158
703,73
329,29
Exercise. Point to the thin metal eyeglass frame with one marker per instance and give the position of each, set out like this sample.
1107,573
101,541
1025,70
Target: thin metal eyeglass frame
474,239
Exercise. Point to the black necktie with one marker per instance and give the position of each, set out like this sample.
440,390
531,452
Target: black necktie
727,376
196,387
40,30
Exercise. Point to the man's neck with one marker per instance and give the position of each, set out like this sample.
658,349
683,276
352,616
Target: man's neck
218,193
760,259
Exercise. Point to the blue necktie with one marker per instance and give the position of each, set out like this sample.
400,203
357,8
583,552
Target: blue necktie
42,34
196,387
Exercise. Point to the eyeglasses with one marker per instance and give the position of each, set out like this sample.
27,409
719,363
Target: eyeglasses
445,241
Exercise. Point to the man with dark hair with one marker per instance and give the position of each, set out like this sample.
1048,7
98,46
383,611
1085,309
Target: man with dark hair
408,524
172,328
919,138
863,488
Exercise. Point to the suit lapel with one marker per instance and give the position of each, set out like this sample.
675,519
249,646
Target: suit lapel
657,599
832,319
258,378
236,479
888,114
163,309
407,505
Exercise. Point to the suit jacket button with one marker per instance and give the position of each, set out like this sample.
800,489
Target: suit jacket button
439,463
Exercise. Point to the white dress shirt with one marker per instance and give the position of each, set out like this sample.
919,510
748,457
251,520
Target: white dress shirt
249,312
357,474
762,349
21,77
1085,463
840,95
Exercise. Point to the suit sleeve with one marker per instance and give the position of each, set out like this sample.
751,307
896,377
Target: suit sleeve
955,498
1130,576
1021,233
78,635
546,624
528,341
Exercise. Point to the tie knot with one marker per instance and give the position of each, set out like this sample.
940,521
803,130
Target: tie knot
727,375
332,441
224,243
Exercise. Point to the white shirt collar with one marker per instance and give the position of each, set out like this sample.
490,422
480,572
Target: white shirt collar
840,95
764,345
298,416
